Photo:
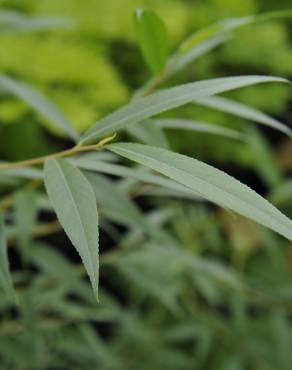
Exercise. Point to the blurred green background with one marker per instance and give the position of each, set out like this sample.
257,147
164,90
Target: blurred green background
221,300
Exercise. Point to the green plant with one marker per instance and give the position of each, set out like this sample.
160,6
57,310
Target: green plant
76,184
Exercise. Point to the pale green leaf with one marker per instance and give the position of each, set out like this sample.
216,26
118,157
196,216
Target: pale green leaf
114,203
150,133
185,124
210,183
74,202
135,173
244,111
227,25
282,194
162,101
181,60
264,159
152,35
5,277
25,216
13,21
206,39
40,103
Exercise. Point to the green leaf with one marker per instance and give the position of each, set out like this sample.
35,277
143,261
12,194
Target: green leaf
149,133
282,194
185,124
116,204
5,277
137,173
264,160
210,183
208,38
12,21
244,111
162,101
216,29
152,35
227,25
40,103
181,60
272,15
74,202
25,217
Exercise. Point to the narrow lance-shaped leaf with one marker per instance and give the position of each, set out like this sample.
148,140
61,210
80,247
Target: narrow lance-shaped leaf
74,202
264,160
153,40
244,111
185,124
213,30
116,204
225,26
5,277
25,218
181,60
208,38
178,62
12,21
40,103
162,101
140,174
210,183
149,133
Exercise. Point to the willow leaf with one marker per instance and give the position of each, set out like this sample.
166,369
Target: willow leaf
25,173
208,38
116,204
243,111
210,183
139,174
40,103
153,39
149,133
226,25
25,217
5,277
185,124
181,60
13,21
141,109
74,202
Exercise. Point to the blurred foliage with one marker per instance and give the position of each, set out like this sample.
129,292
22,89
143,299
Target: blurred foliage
220,298
92,68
